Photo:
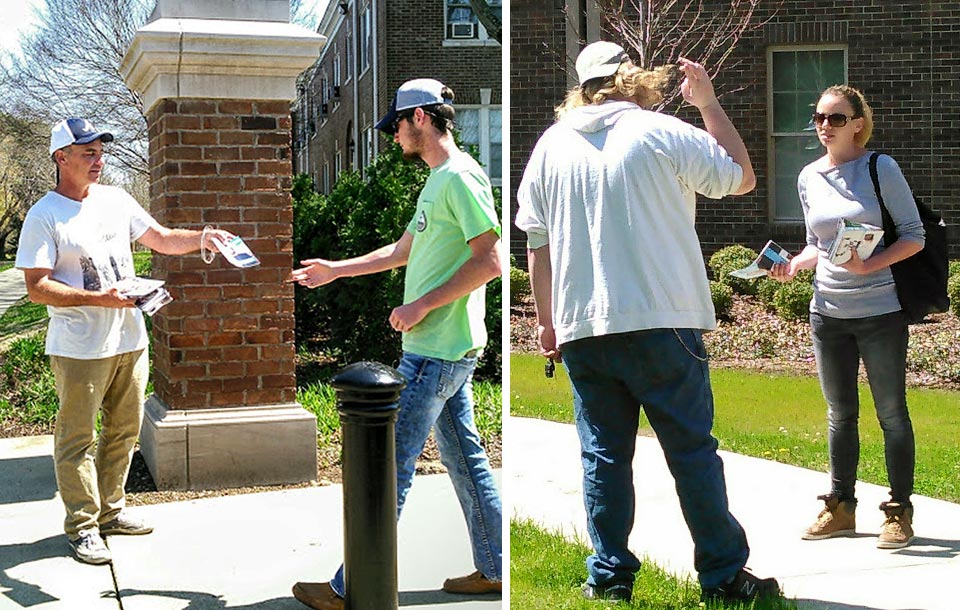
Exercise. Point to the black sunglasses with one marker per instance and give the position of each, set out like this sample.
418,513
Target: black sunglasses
395,125
407,114
837,119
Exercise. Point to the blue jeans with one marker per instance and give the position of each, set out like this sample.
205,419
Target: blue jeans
439,395
881,341
665,372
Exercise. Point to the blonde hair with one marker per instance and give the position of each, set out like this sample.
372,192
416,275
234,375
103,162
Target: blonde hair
861,109
645,87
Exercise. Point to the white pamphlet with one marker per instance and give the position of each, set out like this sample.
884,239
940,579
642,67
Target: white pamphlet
772,254
853,235
237,252
149,293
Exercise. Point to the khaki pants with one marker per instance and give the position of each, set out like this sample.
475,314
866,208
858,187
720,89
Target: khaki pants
91,484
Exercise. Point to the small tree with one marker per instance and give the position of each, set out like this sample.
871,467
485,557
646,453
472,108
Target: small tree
26,173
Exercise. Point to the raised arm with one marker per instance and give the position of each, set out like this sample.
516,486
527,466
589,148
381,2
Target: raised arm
181,241
698,91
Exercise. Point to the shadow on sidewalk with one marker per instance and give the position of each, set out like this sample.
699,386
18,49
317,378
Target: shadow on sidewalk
946,549
208,601
12,555
438,597
27,479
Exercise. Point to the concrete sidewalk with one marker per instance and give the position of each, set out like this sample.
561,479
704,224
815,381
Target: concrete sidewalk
12,288
230,552
772,501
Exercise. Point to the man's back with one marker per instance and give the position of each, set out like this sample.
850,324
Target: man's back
614,188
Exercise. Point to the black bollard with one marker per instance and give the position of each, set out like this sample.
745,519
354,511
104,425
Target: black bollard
367,394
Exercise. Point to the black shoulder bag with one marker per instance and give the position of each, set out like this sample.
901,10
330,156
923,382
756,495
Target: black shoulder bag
921,279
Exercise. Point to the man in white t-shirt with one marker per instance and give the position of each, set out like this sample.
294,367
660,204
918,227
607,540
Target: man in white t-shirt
608,201
74,247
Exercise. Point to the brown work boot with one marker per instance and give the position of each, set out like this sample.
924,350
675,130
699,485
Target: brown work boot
897,529
473,584
317,595
836,519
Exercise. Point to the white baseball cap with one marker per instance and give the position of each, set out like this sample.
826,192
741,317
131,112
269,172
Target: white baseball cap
599,59
75,131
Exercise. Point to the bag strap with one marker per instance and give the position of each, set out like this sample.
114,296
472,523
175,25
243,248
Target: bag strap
889,229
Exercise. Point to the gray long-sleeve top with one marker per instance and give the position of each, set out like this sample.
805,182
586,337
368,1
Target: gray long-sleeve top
846,191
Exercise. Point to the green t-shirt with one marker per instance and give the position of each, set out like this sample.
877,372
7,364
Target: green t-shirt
455,206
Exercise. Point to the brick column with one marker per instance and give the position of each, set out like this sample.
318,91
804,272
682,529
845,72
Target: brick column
217,101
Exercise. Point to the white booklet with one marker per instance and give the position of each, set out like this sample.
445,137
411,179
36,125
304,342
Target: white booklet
853,235
149,293
237,252
771,254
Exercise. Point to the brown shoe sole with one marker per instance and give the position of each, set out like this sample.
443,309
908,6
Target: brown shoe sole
836,534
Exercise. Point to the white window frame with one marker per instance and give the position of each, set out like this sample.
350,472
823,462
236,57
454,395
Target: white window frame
481,37
326,176
483,128
772,135
364,56
337,160
348,59
335,81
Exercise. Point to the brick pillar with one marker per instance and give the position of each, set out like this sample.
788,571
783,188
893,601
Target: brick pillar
224,410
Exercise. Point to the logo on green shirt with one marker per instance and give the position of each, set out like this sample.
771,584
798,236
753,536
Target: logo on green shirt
421,221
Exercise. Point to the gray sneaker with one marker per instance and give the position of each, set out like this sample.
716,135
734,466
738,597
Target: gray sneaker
89,548
125,525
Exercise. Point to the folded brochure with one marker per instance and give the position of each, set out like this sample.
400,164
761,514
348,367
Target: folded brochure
853,235
771,254
149,293
237,252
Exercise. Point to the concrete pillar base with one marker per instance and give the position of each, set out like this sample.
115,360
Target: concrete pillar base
228,447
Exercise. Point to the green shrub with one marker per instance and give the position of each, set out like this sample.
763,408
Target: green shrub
767,290
730,259
792,300
954,269
348,319
953,291
519,285
27,389
722,296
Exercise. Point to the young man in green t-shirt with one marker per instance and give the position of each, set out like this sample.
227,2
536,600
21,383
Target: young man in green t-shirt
451,249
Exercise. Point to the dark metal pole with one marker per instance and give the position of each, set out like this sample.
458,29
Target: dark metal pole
367,395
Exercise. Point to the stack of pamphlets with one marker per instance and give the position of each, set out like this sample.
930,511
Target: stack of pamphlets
852,235
237,252
149,293
771,254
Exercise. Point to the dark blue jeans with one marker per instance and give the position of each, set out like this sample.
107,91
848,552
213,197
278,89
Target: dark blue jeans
881,341
665,372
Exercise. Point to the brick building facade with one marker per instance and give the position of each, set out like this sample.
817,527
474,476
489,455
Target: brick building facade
372,47
904,56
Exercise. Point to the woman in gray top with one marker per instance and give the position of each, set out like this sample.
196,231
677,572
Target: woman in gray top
855,313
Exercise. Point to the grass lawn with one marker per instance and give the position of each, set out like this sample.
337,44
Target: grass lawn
4,265
782,418
546,572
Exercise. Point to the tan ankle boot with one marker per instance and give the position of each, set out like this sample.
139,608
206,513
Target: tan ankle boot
897,529
836,519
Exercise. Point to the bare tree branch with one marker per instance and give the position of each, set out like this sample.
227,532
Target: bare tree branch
491,22
658,32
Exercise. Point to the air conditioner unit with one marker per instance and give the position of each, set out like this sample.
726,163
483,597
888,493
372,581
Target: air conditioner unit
336,92
324,109
463,29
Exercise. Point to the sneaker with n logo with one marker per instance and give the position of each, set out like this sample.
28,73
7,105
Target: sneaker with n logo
838,518
897,529
744,587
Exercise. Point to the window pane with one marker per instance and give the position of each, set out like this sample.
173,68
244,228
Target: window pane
468,125
496,146
784,71
792,154
832,62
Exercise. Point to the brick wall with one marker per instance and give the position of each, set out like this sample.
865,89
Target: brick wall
408,43
903,55
227,338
